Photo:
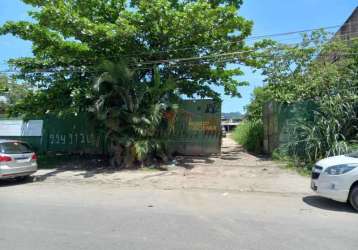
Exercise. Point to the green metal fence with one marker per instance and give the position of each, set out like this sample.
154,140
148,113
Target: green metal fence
278,118
73,134
194,129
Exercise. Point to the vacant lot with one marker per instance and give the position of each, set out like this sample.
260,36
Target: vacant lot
233,170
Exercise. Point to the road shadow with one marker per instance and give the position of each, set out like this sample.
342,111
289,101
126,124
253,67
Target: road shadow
88,168
83,170
229,153
233,153
16,181
189,162
327,204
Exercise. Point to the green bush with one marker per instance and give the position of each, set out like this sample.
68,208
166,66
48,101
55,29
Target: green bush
249,134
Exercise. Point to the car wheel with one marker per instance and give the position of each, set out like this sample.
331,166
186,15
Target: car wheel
353,197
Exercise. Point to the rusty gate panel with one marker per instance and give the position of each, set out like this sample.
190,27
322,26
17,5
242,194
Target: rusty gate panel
196,128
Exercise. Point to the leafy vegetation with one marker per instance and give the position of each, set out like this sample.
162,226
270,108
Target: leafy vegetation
254,110
72,37
249,134
10,93
131,112
329,133
322,72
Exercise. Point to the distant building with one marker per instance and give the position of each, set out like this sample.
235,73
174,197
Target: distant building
230,123
349,29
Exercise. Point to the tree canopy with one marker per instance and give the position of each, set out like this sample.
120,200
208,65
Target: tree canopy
317,67
312,70
191,42
10,93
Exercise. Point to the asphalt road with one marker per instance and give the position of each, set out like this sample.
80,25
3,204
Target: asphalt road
86,216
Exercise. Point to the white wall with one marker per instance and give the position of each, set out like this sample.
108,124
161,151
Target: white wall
21,128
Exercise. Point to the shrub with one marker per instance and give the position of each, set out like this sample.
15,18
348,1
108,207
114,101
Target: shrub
249,134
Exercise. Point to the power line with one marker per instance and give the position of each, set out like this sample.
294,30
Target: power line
177,60
226,57
249,38
177,64
255,38
203,57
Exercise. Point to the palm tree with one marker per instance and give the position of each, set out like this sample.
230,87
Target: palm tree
131,111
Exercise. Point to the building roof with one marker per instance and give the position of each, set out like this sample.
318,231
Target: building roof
350,27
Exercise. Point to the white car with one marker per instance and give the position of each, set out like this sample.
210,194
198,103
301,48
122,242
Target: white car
17,160
336,178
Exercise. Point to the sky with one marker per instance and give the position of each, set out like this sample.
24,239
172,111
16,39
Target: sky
269,16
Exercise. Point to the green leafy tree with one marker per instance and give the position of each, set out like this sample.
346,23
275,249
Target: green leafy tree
254,109
313,69
249,133
72,37
11,93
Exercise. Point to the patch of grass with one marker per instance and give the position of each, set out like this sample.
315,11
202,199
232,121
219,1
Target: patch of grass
287,162
249,134
302,170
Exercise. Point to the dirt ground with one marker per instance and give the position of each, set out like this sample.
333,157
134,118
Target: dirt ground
234,170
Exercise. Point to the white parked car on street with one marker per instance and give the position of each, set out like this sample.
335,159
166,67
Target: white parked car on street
337,178
17,160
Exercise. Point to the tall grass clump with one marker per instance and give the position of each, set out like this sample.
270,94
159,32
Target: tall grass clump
249,134
330,132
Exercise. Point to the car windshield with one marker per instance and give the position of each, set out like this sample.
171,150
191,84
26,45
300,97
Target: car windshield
14,148
354,154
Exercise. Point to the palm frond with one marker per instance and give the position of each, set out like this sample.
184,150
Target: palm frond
131,111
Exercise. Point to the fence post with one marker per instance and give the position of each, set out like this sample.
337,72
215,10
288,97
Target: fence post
270,124
44,136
